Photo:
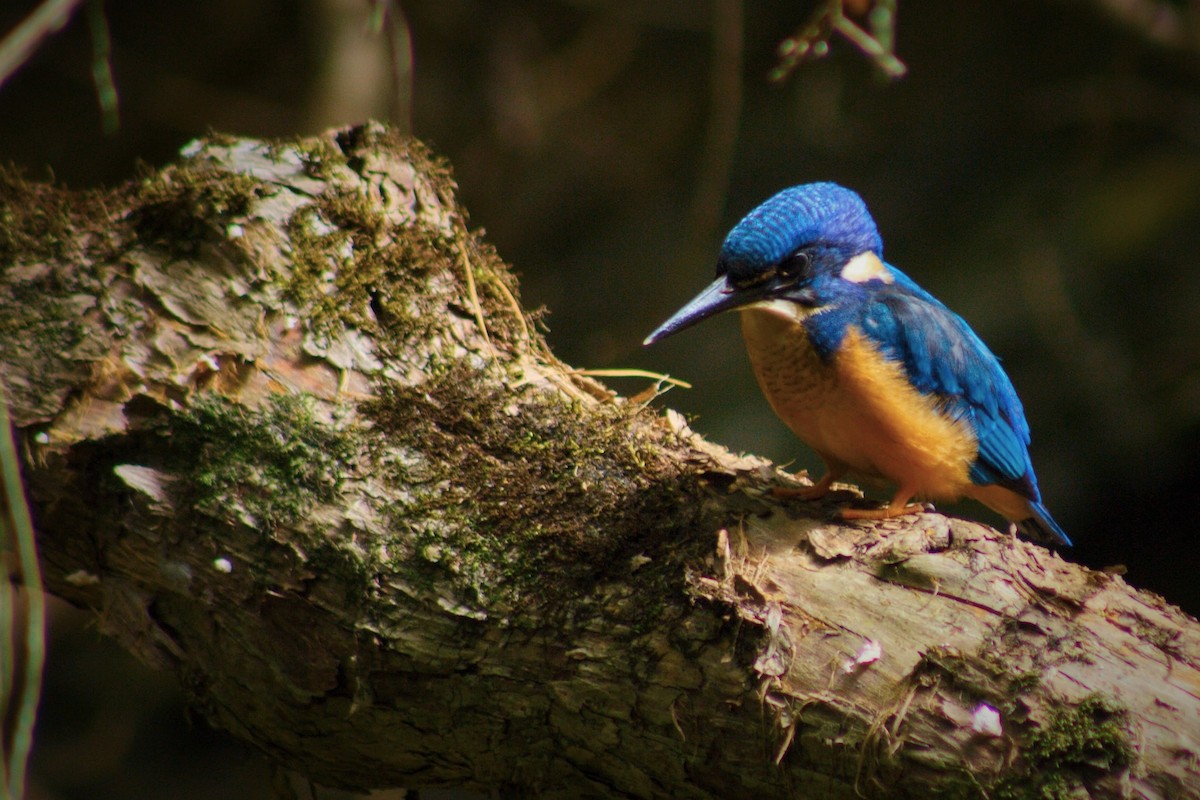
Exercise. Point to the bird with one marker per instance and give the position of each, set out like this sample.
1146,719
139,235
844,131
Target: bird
871,371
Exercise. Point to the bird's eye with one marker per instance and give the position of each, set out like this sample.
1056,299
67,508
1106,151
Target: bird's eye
796,264
754,278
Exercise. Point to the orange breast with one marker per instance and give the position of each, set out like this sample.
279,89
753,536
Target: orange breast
857,411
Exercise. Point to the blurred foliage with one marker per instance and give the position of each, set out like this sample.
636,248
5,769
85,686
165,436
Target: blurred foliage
1038,168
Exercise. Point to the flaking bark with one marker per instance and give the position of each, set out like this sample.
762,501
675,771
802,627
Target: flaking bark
288,432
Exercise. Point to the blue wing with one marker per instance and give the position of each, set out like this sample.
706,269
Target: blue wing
944,357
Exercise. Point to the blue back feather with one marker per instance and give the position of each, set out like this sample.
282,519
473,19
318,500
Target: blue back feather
942,356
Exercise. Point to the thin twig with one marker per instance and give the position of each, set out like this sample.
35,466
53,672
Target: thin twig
498,282
102,75
885,60
632,373
468,271
35,623
812,41
18,46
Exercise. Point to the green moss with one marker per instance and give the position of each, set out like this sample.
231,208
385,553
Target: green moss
271,465
349,272
186,202
486,464
1165,639
1025,682
373,136
42,331
976,678
35,316
37,220
319,157
350,268
353,267
1092,733
45,295
317,251
984,677
1077,742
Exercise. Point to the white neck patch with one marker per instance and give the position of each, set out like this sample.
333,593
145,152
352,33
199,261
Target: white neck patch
784,309
866,267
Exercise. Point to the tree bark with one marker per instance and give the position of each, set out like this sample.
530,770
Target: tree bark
288,432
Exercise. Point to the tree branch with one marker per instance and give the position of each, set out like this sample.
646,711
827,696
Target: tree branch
270,444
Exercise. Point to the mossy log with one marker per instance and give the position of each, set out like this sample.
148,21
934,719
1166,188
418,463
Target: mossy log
288,432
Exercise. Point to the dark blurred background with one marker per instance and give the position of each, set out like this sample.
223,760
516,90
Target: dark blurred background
1038,169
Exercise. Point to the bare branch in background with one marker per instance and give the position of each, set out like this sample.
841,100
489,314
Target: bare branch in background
24,40
812,40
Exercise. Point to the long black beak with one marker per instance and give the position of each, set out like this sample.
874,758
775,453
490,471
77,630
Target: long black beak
716,298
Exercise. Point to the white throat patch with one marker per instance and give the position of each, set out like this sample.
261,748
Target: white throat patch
866,267
784,309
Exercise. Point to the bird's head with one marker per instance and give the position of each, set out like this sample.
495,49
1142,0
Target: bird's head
781,250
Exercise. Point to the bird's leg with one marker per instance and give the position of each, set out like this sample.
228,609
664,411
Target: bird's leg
897,508
814,492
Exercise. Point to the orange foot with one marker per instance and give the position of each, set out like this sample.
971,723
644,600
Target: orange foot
887,512
897,508
814,492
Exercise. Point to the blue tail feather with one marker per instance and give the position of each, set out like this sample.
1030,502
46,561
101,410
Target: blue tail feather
1041,527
